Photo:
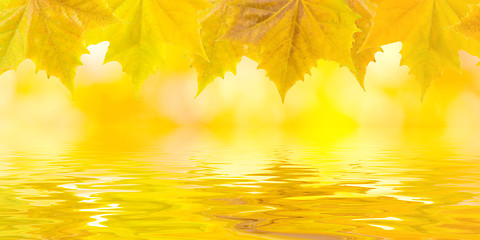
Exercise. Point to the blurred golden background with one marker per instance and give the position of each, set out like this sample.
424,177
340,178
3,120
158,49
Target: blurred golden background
104,98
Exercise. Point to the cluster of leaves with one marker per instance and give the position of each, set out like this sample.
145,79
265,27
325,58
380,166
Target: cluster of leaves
286,37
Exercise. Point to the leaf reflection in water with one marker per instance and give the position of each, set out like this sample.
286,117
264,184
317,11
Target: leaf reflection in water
190,184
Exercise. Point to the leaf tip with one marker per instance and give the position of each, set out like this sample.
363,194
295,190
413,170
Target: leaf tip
360,77
362,84
137,83
201,85
137,88
283,94
424,89
69,85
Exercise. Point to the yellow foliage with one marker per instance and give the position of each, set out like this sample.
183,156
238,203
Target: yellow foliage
286,38
425,28
138,42
470,25
223,56
294,35
49,32
361,58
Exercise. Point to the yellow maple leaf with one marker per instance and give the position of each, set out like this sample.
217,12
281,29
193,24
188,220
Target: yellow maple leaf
138,42
470,25
223,55
294,35
425,27
49,32
361,58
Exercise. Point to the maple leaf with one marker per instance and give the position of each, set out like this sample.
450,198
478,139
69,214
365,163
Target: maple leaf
429,42
223,55
361,58
49,32
138,43
294,35
470,25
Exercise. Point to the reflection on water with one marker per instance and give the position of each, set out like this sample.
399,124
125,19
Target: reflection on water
194,185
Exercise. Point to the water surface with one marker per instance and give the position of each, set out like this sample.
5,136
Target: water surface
188,184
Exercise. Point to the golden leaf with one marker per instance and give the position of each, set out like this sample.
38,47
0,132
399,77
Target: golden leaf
294,35
223,55
429,43
138,42
361,58
49,32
